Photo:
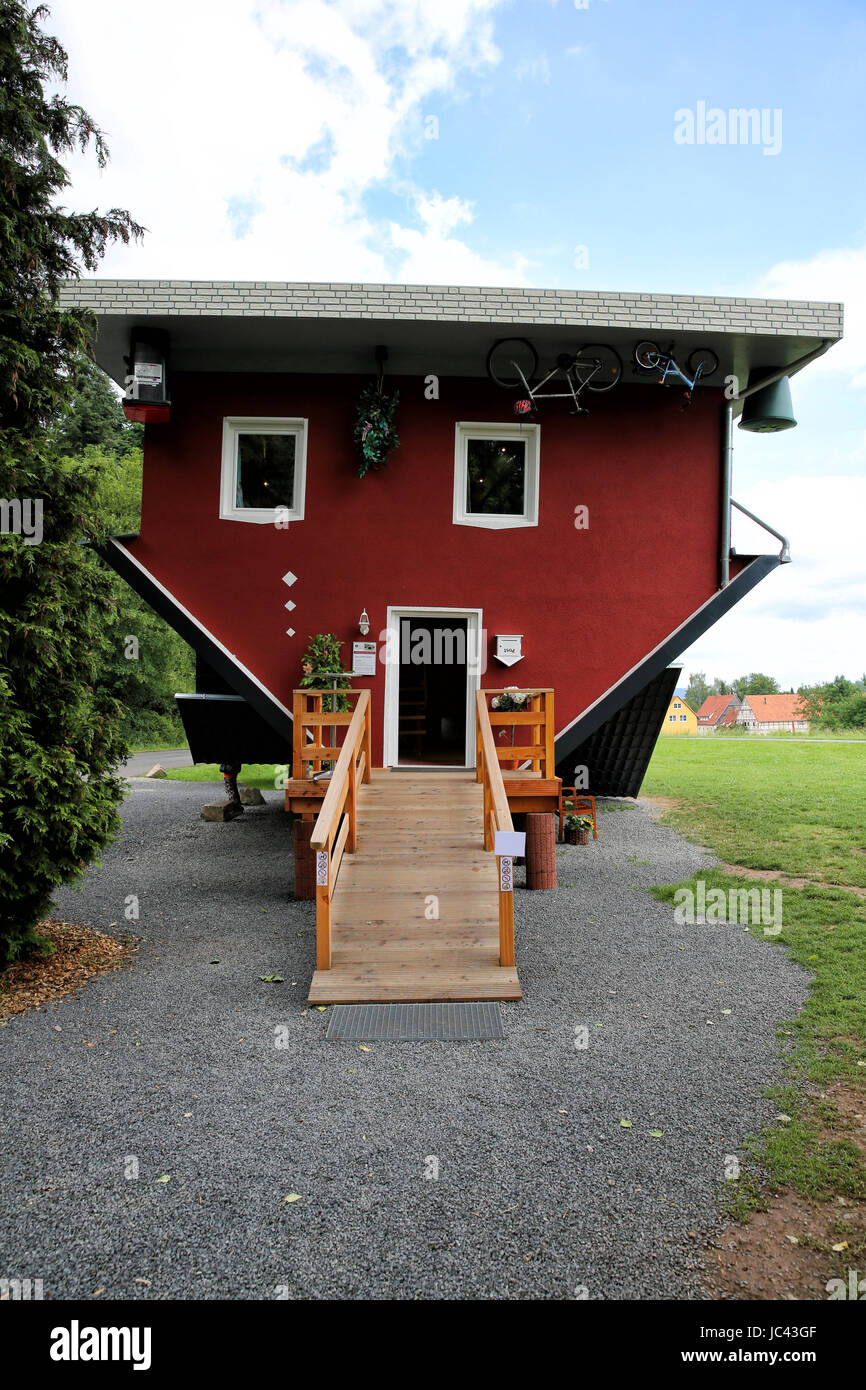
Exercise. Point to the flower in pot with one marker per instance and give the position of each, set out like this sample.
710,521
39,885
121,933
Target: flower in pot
577,829
322,669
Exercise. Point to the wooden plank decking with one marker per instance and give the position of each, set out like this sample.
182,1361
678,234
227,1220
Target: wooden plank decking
419,836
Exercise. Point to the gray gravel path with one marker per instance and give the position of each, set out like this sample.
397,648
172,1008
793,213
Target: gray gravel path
540,1190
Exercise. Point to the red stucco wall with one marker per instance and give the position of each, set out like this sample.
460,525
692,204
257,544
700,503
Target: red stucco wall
589,603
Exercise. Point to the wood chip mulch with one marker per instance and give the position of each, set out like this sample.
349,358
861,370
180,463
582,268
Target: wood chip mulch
79,954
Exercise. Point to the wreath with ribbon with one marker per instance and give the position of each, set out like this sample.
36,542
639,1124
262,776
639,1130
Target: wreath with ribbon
375,433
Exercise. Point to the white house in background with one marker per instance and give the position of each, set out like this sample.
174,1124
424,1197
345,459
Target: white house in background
767,714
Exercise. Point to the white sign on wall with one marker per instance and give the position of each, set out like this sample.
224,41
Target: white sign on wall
509,647
363,658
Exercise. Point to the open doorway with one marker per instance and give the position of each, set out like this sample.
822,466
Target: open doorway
432,707
430,685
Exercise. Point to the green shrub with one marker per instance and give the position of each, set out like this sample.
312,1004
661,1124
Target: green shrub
59,727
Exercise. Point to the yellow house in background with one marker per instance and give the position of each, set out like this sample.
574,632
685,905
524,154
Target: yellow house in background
680,718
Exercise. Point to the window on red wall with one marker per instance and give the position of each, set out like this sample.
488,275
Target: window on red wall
496,475
263,474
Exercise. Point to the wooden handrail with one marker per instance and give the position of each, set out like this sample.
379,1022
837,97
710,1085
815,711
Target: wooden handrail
332,834
491,769
497,816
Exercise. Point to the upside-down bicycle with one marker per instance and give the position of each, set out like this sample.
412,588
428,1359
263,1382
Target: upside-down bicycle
513,364
701,363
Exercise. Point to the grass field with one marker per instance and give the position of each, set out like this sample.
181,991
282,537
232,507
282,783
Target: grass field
796,810
261,775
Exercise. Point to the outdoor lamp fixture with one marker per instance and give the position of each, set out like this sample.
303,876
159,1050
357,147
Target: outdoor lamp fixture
770,409
364,623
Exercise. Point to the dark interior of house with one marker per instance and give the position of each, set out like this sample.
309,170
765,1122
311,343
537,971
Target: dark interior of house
433,692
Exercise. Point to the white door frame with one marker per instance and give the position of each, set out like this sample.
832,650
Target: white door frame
474,629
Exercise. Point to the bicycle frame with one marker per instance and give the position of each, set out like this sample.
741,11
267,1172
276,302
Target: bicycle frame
668,366
671,369
569,373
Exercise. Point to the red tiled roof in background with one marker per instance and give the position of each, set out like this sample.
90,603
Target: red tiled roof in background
712,708
775,709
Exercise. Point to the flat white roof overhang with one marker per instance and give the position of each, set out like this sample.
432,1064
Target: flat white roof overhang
259,326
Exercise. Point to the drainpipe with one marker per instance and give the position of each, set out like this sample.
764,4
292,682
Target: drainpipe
795,367
727,462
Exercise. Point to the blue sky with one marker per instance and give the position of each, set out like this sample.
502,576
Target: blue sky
290,139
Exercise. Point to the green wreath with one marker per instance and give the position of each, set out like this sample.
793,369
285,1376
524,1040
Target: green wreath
375,434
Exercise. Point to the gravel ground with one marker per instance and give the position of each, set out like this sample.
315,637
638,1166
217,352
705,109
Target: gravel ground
205,1073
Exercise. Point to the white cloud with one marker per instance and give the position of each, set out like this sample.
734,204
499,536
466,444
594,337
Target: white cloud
834,274
806,621
433,243
248,134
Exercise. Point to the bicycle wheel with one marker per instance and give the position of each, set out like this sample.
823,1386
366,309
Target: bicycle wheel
704,358
598,367
507,354
647,355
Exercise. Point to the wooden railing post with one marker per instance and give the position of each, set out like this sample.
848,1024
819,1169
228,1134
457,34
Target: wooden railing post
352,805
497,816
297,735
487,840
368,744
323,907
549,732
506,918
535,705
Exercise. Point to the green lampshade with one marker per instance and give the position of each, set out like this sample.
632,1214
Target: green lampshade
769,410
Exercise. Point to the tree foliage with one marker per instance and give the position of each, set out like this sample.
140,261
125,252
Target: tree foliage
59,730
59,727
147,661
837,704
755,684
42,242
697,690
94,416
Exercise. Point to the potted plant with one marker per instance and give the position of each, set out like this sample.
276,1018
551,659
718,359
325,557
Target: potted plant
504,703
322,669
577,829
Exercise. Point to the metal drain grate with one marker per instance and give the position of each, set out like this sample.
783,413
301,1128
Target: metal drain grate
415,1022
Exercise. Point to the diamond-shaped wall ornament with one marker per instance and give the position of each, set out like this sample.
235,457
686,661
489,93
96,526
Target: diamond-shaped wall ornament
290,578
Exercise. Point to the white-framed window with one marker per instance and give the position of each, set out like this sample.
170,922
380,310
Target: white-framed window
672,719
264,468
684,719
495,475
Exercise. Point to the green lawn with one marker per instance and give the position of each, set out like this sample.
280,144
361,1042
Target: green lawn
262,775
796,807
799,809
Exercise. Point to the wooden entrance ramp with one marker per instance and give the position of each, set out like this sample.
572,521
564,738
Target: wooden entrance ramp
414,914
414,875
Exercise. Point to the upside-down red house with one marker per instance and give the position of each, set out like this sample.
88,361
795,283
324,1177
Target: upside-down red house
522,533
